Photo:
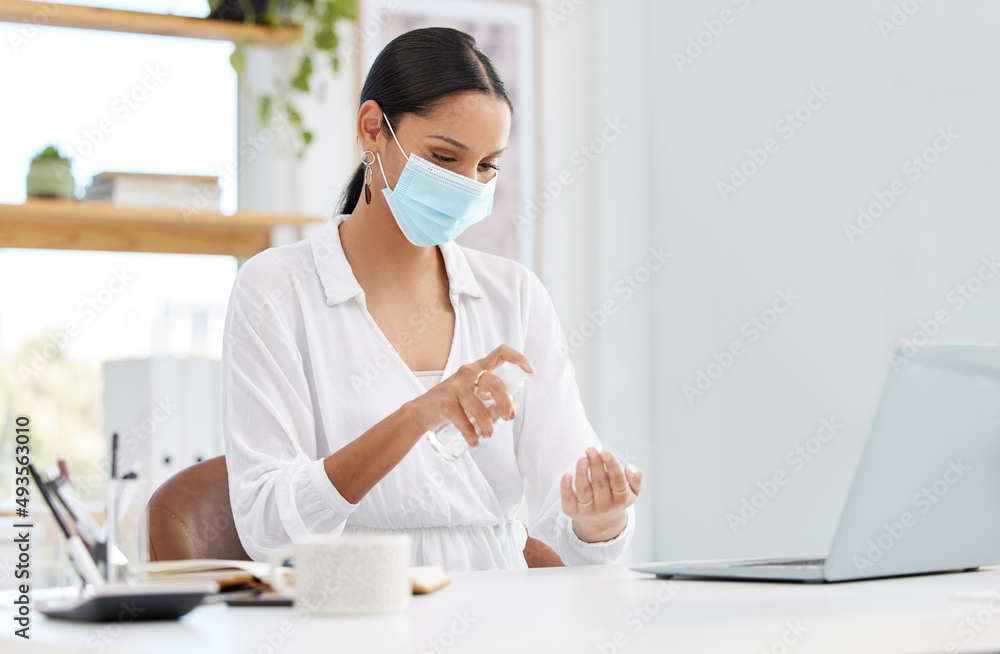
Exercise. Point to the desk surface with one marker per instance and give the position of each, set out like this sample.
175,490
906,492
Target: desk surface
607,609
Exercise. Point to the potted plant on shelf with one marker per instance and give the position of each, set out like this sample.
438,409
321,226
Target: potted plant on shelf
317,46
50,175
238,10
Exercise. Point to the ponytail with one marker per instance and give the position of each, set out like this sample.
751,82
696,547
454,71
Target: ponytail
349,199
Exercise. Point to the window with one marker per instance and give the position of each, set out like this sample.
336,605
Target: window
113,102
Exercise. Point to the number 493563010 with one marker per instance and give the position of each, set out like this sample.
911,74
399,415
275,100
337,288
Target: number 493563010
22,457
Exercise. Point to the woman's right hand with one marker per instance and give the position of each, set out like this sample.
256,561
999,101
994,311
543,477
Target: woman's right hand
462,396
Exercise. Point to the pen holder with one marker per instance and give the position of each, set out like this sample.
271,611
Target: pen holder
127,537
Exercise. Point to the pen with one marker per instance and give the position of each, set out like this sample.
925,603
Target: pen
125,496
43,487
57,508
85,525
77,550
64,470
114,455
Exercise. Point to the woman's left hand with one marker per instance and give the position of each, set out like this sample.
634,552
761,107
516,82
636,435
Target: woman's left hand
603,492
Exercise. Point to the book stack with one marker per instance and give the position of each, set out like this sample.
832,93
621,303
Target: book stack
155,190
230,575
234,575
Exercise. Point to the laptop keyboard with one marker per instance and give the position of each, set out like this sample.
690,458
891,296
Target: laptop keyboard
784,564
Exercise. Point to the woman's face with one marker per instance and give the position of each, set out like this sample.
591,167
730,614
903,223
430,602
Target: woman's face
466,133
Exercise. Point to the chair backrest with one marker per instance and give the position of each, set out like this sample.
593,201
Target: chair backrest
190,517
539,555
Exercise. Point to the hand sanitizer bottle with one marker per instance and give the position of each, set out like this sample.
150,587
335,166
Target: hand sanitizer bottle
448,441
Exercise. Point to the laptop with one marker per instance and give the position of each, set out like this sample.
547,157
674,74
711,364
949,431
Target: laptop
926,493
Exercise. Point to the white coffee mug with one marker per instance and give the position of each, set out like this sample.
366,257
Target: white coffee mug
351,573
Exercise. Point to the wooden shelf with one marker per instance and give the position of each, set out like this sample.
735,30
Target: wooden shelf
72,225
137,22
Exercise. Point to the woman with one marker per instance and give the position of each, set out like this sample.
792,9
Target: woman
342,350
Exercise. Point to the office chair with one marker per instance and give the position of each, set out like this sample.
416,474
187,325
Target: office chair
190,517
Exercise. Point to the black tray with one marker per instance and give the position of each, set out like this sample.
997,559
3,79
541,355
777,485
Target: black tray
128,604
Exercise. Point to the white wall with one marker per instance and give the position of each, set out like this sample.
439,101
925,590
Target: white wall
566,121
876,102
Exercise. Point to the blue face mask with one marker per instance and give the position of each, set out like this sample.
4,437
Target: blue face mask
433,205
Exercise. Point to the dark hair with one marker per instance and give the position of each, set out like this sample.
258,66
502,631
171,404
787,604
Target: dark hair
416,70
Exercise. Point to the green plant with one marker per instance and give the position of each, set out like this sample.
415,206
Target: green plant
50,175
50,152
318,44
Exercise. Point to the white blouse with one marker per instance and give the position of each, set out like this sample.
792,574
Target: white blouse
306,370
429,378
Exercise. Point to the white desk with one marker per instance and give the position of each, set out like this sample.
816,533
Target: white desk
579,610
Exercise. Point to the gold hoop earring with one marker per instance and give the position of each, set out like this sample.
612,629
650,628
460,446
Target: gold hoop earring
368,158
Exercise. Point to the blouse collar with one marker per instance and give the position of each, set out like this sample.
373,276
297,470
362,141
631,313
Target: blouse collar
340,284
